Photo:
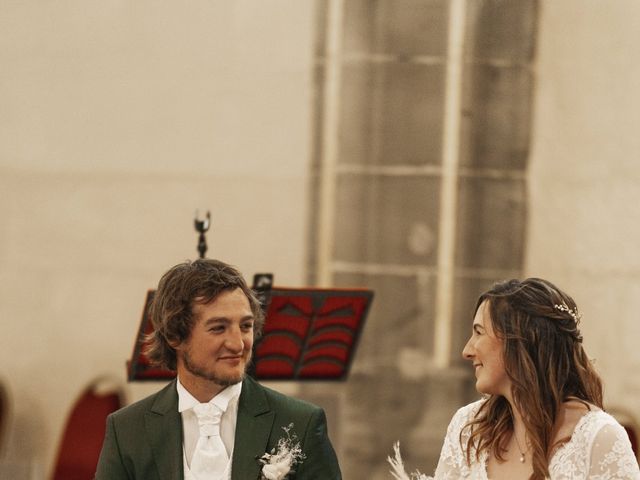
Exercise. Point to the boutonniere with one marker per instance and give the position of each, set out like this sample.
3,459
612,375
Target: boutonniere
280,461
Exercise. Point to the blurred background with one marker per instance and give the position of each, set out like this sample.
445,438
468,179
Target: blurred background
422,148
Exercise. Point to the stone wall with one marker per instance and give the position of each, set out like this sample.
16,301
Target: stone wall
410,171
584,229
119,120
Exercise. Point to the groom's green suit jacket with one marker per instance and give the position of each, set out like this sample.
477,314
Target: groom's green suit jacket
144,440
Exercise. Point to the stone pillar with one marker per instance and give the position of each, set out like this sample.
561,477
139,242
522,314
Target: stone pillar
389,64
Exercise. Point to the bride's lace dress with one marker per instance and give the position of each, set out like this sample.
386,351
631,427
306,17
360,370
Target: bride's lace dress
599,449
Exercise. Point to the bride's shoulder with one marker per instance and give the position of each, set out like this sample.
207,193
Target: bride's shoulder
468,411
580,419
572,413
462,417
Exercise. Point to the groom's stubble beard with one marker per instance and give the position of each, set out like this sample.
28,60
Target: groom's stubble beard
221,380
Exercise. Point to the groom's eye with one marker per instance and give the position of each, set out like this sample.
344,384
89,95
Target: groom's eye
247,326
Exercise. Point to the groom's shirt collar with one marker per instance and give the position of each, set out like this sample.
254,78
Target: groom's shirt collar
222,400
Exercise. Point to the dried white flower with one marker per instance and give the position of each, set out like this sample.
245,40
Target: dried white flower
280,462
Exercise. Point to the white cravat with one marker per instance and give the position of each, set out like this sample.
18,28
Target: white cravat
227,400
210,457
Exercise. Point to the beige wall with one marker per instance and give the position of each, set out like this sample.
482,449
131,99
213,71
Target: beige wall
119,120
585,178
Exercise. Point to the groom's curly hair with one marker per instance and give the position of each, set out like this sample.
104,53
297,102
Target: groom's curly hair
188,283
546,363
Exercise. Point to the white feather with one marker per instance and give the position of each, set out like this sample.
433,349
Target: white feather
397,467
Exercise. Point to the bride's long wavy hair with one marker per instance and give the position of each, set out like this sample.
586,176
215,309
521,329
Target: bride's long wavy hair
546,363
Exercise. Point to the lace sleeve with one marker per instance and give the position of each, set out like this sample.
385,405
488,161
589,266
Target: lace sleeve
452,463
611,455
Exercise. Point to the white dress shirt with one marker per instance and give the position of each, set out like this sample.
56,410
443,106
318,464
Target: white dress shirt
227,400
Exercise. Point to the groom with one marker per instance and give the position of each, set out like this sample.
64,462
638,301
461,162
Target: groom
205,318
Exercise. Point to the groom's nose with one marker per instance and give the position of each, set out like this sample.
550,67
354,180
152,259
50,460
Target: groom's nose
234,341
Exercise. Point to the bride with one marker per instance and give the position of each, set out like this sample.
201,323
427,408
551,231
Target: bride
542,414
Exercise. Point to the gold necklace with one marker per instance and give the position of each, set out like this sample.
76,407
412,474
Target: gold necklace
522,458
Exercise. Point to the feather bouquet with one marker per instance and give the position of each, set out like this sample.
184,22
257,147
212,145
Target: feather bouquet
397,467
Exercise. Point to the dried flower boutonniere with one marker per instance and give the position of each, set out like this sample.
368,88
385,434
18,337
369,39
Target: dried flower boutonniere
280,461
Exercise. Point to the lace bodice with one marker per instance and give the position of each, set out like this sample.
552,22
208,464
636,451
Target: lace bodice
599,449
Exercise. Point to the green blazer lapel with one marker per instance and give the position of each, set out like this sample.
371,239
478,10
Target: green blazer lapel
253,428
163,425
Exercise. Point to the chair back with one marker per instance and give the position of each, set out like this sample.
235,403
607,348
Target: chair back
84,432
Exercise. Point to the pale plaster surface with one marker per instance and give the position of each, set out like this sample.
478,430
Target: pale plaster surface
584,178
119,120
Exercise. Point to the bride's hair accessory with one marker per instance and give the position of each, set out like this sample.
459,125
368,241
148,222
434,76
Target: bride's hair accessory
573,312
